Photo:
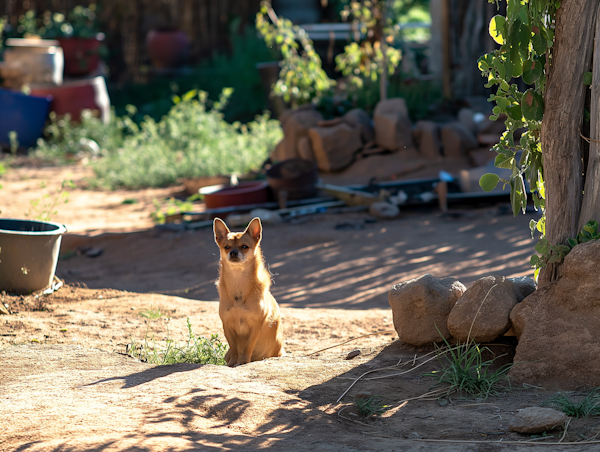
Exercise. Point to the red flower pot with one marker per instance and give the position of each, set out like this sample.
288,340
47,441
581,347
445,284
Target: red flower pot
74,96
81,55
167,48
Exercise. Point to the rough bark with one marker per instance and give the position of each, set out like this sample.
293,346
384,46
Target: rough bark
590,209
564,102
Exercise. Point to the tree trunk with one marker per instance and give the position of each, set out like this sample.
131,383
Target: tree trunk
590,209
563,117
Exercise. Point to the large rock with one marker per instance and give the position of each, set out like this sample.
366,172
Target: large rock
483,312
359,118
334,147
457,140
420,308
393,128
427,136
295,124
537,420
557,326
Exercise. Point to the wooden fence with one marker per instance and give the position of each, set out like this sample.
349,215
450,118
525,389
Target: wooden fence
126,22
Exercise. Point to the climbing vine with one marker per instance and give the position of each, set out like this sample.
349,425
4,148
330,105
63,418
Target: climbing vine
526,37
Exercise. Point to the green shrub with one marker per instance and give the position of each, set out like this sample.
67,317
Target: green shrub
190,141
198,350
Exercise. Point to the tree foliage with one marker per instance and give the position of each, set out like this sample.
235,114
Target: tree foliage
526,38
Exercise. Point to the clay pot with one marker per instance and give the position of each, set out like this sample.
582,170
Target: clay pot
167,48
81,55
74,96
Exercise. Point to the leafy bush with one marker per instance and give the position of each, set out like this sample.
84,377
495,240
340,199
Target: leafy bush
190,141
67,139
235,69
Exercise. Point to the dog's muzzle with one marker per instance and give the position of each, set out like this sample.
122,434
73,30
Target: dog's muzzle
234,255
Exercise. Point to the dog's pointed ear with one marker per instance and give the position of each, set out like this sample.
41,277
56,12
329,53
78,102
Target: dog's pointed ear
254,229
221,230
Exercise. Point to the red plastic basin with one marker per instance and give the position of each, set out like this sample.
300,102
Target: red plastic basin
239,195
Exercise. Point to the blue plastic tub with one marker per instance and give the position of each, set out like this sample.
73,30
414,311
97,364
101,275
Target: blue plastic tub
24,114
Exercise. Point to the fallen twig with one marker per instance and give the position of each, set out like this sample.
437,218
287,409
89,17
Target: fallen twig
350,340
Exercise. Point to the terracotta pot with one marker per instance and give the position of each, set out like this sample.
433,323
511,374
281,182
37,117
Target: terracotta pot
217,196
73,97
167,48
81,55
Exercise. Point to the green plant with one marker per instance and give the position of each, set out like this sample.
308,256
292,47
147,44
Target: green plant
464,370
66,139
372,57
302,78
370,406
235,69
173,207
550,252
81,22
190,141
14,143
526,38
588,406
44,208
196,349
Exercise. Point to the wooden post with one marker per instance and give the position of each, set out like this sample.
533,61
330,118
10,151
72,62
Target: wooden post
590,209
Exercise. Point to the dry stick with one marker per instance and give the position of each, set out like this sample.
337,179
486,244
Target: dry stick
390,375
565,430
349,340
526,443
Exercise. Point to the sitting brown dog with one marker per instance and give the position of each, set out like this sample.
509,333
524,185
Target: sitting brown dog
249,313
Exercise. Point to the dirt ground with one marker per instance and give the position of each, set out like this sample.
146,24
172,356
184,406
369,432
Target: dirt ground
66,382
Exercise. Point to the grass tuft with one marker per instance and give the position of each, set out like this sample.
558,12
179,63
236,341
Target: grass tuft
370,406
465,371
198,350
588,406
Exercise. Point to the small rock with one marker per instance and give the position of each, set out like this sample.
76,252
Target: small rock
393,128
427,135
296,126
305,151
483,312
359,119
414,435
3,310
421,306
384,210
457,140
524,286
94,252
537,420
334,147
353,354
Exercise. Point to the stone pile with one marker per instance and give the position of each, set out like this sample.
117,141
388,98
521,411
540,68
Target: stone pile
556,326
335,144
429,309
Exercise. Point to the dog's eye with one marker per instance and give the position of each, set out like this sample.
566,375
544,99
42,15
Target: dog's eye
244,247
226,247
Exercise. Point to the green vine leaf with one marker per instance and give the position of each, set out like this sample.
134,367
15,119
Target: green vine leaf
489,181
587,78
532,105
498,29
